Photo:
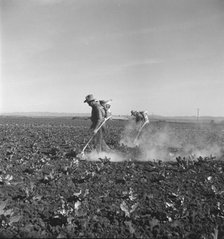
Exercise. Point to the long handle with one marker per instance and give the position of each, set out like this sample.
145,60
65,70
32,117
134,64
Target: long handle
140,131
95,133
87,144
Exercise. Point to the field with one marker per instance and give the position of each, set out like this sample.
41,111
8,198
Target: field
169,186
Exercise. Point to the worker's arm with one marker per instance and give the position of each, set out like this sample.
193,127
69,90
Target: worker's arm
100,117
97,118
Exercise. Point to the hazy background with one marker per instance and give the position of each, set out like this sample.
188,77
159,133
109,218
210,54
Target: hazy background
164,56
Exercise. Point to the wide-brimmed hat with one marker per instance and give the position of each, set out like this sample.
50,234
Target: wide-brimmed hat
89,98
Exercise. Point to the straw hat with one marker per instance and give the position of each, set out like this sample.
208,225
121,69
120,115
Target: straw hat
89,98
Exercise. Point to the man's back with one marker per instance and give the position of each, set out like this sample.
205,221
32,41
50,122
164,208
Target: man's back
97,114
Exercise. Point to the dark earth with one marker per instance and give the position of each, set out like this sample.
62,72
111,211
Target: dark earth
47,191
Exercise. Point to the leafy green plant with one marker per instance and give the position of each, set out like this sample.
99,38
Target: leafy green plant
7,215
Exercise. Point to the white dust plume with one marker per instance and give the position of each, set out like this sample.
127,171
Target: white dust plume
112,156
166,142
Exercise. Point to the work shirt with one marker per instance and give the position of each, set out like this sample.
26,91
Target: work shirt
96,115
144,116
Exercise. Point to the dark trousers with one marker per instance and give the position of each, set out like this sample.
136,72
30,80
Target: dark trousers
99,142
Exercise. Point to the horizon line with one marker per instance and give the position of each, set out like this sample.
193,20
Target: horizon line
73,113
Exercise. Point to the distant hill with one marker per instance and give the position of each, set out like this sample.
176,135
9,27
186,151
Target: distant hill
152,117
187,118
45,114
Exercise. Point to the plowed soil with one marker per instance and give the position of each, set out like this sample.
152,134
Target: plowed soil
46,191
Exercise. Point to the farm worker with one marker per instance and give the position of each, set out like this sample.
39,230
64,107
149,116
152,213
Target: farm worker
97,117
140,117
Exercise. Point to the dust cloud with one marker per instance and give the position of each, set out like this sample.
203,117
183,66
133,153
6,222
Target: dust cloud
112,156
164,141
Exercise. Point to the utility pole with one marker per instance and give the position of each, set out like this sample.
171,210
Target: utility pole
198,114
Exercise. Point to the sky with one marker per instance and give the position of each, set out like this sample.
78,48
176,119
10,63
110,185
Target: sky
163,56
